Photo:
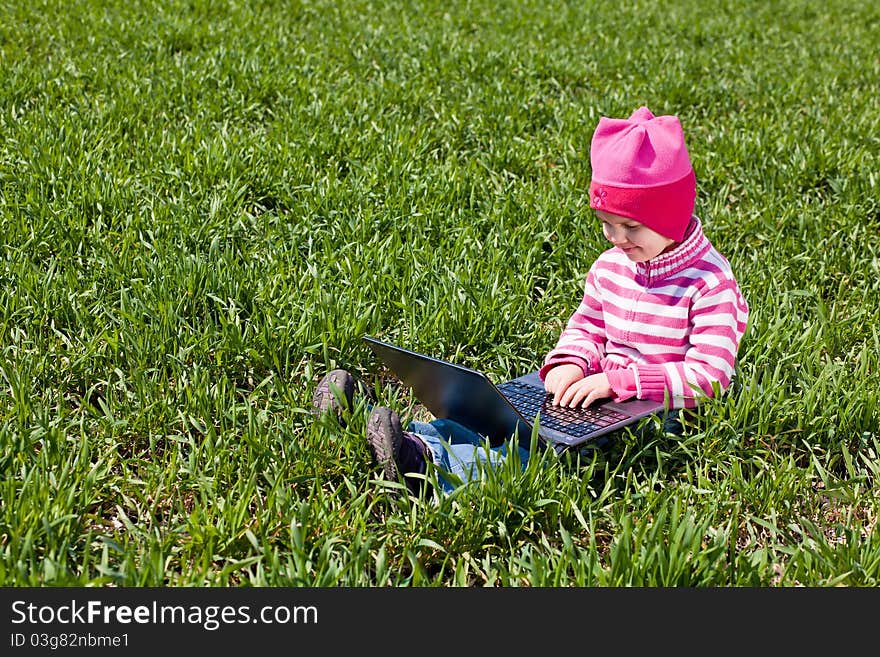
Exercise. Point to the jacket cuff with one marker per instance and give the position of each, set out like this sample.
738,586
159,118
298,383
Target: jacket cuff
651,382
624,383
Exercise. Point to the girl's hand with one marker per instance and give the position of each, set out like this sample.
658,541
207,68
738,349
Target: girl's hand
584,392
560,378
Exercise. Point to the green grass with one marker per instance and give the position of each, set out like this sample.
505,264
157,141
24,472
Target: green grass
204,205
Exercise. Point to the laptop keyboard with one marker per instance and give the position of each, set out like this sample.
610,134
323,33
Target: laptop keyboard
577,422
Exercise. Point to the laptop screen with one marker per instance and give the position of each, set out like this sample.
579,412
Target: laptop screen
452,391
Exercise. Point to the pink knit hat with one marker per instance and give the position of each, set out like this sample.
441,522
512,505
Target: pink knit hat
641,170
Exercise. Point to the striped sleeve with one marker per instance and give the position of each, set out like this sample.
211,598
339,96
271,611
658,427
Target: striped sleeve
718,321
582,342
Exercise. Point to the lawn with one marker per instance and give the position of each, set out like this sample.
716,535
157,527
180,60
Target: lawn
204,206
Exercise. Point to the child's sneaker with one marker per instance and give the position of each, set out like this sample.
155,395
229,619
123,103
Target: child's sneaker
396,450
384,435
336,382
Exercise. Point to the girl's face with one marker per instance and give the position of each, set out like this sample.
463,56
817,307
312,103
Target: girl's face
636,240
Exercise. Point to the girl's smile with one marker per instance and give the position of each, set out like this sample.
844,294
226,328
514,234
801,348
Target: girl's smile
636,240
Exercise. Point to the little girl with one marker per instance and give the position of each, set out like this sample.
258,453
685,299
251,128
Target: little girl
661,317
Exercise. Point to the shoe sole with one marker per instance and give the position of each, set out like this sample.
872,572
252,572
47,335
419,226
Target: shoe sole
324,400
384,439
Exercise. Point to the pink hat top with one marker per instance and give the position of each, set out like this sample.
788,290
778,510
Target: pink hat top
641,170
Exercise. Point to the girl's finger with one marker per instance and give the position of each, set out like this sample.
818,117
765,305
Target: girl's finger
574,394
563,399
589,399
579,396
558,393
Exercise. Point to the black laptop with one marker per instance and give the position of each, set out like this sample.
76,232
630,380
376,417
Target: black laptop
468,397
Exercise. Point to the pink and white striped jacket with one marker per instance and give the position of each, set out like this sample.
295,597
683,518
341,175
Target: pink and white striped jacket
670,326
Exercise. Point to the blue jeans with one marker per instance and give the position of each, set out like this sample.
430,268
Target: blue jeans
459,451
464,453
